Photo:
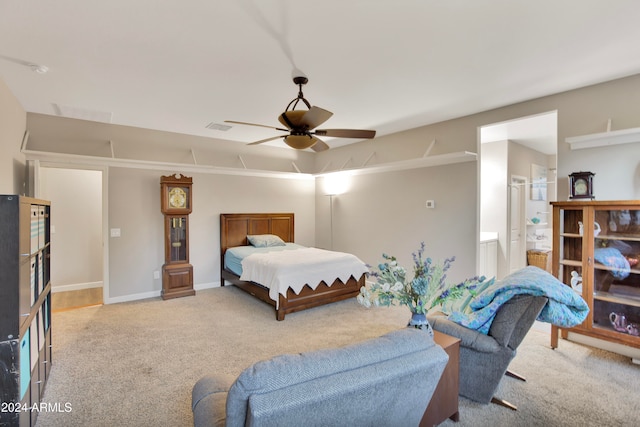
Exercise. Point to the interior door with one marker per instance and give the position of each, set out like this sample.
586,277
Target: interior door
516,208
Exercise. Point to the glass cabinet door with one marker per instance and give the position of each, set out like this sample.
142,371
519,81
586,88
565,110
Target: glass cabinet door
616,281
571,249
177,247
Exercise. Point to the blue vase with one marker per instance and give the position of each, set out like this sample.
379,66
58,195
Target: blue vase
419,321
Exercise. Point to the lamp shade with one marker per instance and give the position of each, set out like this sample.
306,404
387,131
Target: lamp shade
300,142
294,117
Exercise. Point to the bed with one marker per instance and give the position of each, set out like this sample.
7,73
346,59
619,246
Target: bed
234,229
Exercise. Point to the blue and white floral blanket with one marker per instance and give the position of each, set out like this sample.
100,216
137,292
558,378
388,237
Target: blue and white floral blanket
565,307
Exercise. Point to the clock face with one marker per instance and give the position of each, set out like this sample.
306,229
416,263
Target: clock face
580,187
177,197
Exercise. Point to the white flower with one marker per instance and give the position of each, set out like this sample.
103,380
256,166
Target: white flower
397,287
364,301
386,287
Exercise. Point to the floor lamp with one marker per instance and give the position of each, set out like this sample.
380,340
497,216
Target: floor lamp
331,220
334,185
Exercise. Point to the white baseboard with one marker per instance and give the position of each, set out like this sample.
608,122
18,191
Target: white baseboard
613,347
156,294
75,287
202,286
132,297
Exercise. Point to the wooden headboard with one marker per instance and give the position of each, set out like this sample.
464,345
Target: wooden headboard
234,228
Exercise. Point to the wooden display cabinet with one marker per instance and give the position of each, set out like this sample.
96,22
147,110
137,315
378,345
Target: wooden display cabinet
597,252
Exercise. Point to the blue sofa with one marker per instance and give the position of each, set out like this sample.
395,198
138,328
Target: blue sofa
384,381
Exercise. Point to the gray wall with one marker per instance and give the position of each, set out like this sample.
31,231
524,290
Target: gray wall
134,208
386,213
13,121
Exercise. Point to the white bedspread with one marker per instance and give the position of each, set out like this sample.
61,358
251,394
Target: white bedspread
293,269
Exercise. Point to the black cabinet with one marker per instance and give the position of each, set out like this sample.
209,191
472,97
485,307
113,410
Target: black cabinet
25,307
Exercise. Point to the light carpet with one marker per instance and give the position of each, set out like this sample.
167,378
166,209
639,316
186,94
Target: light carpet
134,364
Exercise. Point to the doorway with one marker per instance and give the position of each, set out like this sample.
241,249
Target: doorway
517,242
77,264
511,153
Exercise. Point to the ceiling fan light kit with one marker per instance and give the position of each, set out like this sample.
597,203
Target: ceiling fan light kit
300,125
300,142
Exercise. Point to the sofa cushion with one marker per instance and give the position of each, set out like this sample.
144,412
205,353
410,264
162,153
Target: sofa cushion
291,369
392,392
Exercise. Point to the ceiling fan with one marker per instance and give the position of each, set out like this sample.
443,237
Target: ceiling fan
300,125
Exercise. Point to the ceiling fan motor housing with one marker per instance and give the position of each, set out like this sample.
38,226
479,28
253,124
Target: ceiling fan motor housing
300,80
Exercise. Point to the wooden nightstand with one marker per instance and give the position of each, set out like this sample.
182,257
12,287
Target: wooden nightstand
444,403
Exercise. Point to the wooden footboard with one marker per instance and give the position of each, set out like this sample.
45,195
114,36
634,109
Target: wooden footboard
307,298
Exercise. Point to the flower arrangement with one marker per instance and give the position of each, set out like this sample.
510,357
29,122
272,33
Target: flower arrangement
427,289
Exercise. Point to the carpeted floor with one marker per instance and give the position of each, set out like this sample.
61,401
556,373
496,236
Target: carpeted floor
134,364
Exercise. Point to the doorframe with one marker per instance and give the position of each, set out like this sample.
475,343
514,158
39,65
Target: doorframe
520,181
105,209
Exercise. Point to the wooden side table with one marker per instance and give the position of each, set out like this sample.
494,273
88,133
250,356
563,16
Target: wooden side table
444,403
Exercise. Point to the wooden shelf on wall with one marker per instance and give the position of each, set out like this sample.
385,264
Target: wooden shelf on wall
603,139
422,162
74,159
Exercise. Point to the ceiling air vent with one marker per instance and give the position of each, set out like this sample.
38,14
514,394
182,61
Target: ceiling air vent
218,126
82,113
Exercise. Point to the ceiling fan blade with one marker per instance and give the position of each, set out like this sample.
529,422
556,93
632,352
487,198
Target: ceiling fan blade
254,124
346,133
266,140
320,145
315,117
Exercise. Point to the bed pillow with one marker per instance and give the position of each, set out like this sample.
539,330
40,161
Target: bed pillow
265,240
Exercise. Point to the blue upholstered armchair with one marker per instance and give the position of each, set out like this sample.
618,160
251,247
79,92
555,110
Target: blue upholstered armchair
484,359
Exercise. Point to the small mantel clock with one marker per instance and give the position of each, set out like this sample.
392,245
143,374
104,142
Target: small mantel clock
175,204
581,185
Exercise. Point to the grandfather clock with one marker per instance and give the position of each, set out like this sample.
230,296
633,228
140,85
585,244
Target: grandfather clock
177,273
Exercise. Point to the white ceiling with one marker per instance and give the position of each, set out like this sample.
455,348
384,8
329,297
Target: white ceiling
385,65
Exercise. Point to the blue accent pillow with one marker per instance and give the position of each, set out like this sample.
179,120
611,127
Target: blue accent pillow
265,240
613,258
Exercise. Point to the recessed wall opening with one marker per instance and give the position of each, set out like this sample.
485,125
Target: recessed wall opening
518,162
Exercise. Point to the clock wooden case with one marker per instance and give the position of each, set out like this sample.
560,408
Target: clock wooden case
581,185
175,204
